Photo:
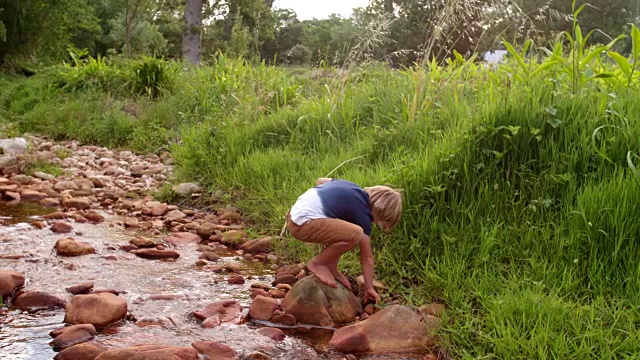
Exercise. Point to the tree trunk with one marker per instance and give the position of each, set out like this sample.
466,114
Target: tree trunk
191,39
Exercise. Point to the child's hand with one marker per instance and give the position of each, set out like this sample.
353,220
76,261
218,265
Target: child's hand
371,294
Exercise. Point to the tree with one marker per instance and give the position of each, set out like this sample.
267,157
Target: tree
193,23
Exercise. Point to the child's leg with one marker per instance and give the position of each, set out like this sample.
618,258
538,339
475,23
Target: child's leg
339,236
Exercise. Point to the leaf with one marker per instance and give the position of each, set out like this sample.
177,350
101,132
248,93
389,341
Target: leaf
577,12
635,41
632,166
517,56
622,61
546,65
591,55
554,122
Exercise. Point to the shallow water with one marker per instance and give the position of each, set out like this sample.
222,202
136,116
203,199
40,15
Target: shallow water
184,286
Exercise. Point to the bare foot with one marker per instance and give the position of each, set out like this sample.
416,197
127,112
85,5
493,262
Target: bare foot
323,273
341,278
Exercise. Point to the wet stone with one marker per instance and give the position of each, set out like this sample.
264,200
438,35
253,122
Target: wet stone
82,288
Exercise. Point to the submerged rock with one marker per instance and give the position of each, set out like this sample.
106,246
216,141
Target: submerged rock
72,335
32,300
156,254
315,303
395,328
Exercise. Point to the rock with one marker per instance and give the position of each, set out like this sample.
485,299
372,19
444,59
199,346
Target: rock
99,310
80,288
79,203
43,176
10,195
206,230
231,215
261,292
65,185
49,202
159,209
72,335
79,218
263,308
285,279
142,242
14,146
61,227
255,246
222,311
395,328
261,286
233,237
32,195
183,238
131,222
33,300
83,351
314,303
55,216
22,179
186,188
84,184
283,287
215,350
150,352
210,256
98,181
94,217
10,281
156,254
71,247
376,284
272,333
236,280
284,319
162,322
39,224
257,356
174,215
277,294
433,309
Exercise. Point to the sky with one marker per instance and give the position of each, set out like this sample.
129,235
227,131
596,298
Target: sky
319,9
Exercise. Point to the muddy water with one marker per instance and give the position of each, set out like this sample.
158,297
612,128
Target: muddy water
163,291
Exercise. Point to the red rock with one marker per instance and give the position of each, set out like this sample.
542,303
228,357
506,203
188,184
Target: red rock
210,256
214,350
262,308
183,238
142,242
61,227
83,351
256,292
206,230
159,209
256,246
83,288
71,247
32,300
10,195
226,311
395,328
156,254
106,290
79,203
150,352
72,335
39,224
285,279
314,303
55,216
284,319
100,310
277,294
433,309
283,287
273,333
32,195
49,202
94,217
162,322
236,280
10,281
131,222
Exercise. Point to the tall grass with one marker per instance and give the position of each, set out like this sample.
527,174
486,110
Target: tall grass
519,180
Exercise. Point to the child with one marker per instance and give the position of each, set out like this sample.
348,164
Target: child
339,214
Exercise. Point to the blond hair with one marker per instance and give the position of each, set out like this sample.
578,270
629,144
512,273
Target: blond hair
385,203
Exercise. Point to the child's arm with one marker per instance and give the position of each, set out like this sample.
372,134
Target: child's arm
366,260
321,181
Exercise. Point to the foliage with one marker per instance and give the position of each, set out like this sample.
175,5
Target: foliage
152,77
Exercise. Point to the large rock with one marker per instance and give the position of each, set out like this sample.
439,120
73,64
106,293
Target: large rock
186,188
100,309
72,335
13,146
150,352
71,247
10,281
214,350
262,308
32,300
61,227
393,329
83,351
314,303
183,238
156,254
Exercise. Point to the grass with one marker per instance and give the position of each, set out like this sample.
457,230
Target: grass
520,184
